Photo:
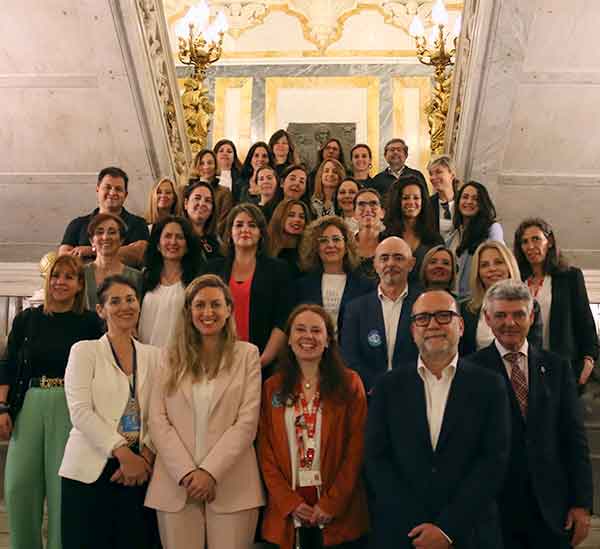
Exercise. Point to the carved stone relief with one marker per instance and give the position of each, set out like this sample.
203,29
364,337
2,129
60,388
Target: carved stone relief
310,137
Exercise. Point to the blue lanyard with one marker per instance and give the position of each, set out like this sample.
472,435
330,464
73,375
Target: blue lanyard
132,386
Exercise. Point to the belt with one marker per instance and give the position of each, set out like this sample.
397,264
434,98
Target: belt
46,382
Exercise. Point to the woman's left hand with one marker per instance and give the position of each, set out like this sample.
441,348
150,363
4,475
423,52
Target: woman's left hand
200,485
320,516
586,372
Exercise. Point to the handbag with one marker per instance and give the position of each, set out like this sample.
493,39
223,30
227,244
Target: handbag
18,389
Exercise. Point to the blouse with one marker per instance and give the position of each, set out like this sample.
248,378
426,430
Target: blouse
160,310
202,393
240,292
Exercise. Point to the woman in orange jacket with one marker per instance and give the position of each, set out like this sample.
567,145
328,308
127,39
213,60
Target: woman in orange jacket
311,437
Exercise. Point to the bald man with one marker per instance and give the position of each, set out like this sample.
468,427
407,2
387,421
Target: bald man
376,330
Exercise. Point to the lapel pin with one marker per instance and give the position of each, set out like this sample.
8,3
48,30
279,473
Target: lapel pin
543,370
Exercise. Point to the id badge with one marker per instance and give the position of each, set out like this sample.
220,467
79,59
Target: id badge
130,421
309,478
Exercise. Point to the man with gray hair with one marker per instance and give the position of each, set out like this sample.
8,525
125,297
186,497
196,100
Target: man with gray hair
547,494
395,153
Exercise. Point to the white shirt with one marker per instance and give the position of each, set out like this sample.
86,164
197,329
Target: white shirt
202,397
484,335
522,360
332,289
161,309
225,178
446,226
391,317
544,299
436,395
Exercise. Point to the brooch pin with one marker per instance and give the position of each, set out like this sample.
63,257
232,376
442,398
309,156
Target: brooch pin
374,339
276,400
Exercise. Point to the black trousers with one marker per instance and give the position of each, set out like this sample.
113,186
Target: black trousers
104,514
311,538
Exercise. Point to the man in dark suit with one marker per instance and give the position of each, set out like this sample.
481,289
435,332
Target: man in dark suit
395,153
437,441
375,336
547,493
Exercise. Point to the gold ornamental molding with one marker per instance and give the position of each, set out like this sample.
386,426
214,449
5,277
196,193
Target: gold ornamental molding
322,21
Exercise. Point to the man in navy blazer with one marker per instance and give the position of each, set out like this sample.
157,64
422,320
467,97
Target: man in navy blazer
547,494
375,334
437,441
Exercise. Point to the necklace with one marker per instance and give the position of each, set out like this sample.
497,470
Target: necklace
308,383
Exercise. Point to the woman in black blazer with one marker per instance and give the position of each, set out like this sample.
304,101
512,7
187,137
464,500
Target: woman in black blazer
492,261
560,290
260,284
328,253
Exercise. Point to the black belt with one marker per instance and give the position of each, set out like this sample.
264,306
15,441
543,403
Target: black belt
46,382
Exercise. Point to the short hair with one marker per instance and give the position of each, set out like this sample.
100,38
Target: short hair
475,284
368,190
396,140
113,171
555,261
101,218
442,290
442,160
339,170
361,146
257,216
309,245
152,208
509,290
109,282
427,258
75,264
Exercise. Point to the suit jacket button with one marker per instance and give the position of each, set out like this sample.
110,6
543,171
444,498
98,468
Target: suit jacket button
433,470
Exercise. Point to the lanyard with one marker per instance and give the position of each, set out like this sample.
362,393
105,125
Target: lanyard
306,420
132,385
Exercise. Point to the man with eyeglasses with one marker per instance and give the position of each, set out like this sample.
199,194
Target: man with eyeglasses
437,441
111,192
375,334
547,494
395,153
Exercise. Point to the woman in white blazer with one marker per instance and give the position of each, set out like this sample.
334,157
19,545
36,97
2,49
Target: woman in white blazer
203,420
108,457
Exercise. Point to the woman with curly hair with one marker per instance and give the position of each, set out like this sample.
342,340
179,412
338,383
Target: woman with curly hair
327,179
474,222
408,215
311,440
285,231
559,288
260,284
172,262
328,254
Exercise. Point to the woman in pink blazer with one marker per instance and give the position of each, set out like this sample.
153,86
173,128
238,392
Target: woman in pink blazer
204,412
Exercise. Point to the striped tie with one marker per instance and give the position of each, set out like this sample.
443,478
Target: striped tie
517,378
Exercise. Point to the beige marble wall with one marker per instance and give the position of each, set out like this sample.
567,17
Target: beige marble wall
533,102
70,104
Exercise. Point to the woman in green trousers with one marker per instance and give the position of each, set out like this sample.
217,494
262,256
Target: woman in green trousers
37,353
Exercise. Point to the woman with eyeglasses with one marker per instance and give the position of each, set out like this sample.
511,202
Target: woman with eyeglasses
329,257
492,261
106,232
408,216
33,410
559,288
369,213
260,284
311,440
109,457
474,222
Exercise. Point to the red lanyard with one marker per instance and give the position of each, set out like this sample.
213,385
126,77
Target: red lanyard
306,420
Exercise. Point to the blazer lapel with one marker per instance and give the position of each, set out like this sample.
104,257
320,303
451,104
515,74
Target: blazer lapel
186,389
403,329
222,381
536,390
420,408
376,323
457,396
141,371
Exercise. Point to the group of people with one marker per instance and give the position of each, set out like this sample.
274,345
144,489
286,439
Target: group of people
368,364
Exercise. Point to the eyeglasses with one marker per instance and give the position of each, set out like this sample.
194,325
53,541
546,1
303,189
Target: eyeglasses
364,204
333,239
441,317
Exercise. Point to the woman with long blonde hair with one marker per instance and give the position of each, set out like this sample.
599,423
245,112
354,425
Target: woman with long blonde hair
163,201
203,420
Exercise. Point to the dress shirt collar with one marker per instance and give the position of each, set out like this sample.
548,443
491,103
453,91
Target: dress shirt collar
447,373
503,350
384,298
395,173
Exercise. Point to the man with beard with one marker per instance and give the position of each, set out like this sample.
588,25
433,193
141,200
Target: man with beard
395,153
548,492
375,333
437,441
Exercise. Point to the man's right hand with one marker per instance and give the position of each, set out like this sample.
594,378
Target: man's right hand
5,426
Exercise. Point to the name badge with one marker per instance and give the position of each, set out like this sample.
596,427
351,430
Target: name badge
309,478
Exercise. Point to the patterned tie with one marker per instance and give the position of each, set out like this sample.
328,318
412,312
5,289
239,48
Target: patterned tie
446,207
517,378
